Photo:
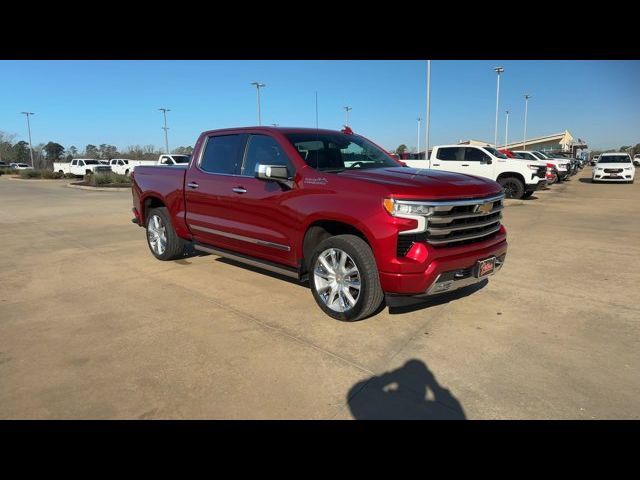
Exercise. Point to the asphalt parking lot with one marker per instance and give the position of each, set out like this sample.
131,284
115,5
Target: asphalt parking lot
92,326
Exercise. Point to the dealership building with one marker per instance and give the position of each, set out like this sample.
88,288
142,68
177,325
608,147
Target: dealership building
563,142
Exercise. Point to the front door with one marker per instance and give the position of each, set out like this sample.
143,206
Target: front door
227,207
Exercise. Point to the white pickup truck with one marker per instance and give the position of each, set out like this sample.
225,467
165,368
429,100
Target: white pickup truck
81,167
173,159
561,164
519,179
124,166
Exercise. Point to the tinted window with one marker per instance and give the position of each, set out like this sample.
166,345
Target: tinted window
181,158
337,152
265,150
74,162
221,155
495,152
91,162
450,153
475,155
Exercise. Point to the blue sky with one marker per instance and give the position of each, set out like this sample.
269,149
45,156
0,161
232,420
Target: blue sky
116,102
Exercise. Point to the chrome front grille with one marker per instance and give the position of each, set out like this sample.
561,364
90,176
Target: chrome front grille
457,222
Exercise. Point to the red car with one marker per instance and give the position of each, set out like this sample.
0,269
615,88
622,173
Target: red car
325,206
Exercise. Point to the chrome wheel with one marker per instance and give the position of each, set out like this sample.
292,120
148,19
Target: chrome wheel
337,280
157,234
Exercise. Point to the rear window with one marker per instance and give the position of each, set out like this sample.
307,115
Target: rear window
221,155
450,153
91,162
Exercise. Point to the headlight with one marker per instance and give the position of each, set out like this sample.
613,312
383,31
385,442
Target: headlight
534,167
399,208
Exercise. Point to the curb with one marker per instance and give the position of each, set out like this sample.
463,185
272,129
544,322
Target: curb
34,179
98,189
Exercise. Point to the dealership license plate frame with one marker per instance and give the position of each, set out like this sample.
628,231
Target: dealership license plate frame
481,271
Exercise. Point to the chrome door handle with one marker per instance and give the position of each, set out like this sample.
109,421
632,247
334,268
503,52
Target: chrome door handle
436,164
240,190
465,164
192,185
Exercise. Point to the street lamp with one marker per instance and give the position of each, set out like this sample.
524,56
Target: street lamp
28,114
498,70
418,147
506,130
526,108
428,124
165,128
346,109
258,86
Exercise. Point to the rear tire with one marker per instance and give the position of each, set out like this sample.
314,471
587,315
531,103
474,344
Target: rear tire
162,239
356,276
512,186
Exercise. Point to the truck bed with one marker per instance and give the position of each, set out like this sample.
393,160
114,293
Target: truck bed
166,182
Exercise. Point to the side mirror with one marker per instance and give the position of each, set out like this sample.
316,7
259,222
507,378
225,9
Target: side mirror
277,173
488,161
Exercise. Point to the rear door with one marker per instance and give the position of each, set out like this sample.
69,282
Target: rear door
449,159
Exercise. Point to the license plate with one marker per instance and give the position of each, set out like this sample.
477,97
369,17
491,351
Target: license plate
486,267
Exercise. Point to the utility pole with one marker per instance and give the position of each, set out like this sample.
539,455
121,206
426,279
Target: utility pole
498,70
428,121
165,128
418,147
28,114
258,86
346,109
526,107
506,130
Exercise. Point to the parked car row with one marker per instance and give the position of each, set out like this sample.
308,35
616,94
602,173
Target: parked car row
519,172
122,166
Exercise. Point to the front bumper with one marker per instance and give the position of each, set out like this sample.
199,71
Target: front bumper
532,187
622,177
420,283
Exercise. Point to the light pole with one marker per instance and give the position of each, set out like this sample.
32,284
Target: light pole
258,86
165,128
506,130
526,107
428,124
346,109
498,70
418,147
28,114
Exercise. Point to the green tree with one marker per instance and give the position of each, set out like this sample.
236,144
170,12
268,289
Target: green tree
401,149
21,152
624,148
91,151
54,151
107,152
183,150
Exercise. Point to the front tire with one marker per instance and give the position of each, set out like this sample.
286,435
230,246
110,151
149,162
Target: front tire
162,239
527,194
344,278
512,186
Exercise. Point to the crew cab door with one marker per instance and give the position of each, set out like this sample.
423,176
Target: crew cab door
227,207
477,162
449,159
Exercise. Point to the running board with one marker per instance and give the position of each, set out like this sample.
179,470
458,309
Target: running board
254,262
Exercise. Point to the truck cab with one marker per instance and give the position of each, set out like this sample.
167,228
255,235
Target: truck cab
519,179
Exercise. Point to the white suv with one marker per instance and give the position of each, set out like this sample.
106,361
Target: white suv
613,167
519,179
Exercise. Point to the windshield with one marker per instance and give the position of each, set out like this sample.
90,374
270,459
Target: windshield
495,152
181,158
91,162
337,152
541,156
614,159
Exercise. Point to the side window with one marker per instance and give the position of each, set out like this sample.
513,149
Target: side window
81,163
164,161
120,162
475,155
265,150
222,155
74,162
450,153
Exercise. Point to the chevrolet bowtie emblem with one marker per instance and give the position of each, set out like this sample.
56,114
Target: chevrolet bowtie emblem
484,208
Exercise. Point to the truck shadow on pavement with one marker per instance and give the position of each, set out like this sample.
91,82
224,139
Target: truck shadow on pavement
414,304
410,392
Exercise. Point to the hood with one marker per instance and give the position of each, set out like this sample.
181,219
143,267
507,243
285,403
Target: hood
426,184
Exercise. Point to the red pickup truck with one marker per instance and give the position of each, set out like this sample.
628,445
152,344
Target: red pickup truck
330,207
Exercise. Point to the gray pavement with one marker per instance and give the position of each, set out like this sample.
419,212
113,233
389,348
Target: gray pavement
92,326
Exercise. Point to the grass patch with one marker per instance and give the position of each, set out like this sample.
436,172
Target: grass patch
38,174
